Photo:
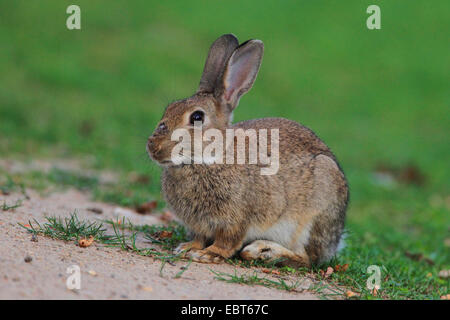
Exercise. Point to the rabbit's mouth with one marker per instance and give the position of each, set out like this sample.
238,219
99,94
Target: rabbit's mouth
165,162
155,153
169,164
159,153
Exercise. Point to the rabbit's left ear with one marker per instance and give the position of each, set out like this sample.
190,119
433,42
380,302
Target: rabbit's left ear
240,72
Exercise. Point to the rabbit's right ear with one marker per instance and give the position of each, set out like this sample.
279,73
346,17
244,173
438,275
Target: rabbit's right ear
240,73
219,53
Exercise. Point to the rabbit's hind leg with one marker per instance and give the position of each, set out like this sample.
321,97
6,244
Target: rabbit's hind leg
270,251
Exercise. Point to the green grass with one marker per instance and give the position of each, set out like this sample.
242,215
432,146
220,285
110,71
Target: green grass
375,97
174,233
153,233
7,207
8,185
67,178
123,235
68,229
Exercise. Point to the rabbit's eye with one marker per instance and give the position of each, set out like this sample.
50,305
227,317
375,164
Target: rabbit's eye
197,116
161,128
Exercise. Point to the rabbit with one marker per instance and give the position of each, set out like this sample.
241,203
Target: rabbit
294,217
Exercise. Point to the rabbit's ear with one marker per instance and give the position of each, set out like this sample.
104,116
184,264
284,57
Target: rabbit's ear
218,55
240,72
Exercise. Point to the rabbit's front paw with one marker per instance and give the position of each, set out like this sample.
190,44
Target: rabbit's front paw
204,256
184,247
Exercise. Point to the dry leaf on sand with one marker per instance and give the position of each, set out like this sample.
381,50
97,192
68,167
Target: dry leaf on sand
276,272
165,234
84,243
146,207
95,210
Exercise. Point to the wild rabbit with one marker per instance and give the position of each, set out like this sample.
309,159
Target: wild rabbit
295,217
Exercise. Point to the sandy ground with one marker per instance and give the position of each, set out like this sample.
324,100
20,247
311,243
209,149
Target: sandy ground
106,273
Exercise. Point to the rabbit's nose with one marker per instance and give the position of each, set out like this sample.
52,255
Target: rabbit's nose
151,143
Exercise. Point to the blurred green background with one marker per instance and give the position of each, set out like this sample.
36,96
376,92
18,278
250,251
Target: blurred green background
379,98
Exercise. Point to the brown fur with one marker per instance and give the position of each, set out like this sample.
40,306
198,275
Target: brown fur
224,204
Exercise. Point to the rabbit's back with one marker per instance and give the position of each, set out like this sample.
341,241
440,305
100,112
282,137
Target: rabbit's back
303,206
294,138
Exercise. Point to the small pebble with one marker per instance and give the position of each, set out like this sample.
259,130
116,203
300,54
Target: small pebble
28,259
92,273
34,238
444,274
